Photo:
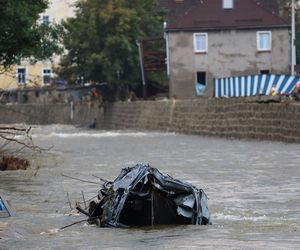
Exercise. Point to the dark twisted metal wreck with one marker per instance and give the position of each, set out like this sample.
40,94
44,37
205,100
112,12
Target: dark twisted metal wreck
142,196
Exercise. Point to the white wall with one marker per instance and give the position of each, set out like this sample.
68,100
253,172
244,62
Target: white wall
60,9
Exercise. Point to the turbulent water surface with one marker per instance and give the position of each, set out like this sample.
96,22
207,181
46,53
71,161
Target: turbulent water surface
253,190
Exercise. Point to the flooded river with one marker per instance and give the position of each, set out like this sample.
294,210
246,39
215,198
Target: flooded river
253,190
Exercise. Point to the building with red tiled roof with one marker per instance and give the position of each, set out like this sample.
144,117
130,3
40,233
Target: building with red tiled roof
208,39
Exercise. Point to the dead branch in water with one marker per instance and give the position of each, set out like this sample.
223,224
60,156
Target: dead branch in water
77,179
13,140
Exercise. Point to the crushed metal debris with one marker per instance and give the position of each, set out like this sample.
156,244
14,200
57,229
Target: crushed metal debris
143,196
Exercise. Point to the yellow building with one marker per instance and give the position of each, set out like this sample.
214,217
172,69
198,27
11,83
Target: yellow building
41,73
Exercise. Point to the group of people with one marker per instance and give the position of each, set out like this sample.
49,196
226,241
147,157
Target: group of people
295,93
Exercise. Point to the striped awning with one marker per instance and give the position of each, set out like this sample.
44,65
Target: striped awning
254,85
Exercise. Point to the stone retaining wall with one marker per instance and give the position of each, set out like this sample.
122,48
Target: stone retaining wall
82,113
252,118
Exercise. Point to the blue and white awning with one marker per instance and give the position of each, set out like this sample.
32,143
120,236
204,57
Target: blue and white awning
254,85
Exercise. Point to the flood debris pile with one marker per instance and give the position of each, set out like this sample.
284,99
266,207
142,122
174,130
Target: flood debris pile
14,141
142,196
13,163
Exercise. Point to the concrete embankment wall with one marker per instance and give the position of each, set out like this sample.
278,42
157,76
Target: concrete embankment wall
82,113
251,118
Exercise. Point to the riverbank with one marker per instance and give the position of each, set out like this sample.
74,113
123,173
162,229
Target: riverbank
259,118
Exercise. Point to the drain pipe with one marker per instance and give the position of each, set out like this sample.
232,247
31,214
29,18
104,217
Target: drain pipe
72,111
293,40
142,69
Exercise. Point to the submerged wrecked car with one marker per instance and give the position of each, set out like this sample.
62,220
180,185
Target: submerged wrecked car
4,209
142,196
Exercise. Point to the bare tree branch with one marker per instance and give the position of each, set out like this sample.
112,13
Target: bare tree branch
14,128
19,136
25,144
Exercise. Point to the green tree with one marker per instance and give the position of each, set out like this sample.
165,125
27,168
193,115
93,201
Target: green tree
101,39
21,36
297,46
285,11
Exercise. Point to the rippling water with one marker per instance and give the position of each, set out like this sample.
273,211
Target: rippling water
253,190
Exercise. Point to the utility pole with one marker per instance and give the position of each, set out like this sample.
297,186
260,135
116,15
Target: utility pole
293,39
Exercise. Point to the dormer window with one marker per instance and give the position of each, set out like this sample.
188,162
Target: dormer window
227,4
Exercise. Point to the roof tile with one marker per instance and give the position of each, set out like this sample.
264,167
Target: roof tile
209,14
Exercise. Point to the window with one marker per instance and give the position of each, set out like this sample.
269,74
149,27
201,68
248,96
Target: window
201,77
201,83
200,42
46,76
21,76
227,4
264,40
265,72
46,20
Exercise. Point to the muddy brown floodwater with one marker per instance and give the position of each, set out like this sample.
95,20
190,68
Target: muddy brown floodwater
253,189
